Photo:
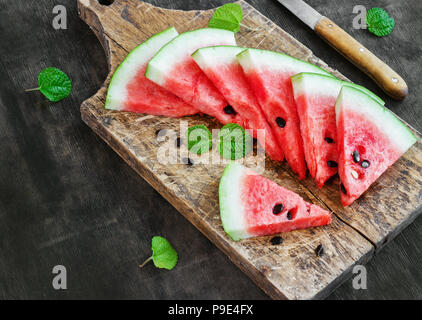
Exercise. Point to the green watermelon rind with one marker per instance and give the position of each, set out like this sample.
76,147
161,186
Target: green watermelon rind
231,209
174,52
323,82
127,69
273,59
400,135
216,55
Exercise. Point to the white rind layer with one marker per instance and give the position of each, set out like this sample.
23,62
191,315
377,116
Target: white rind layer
216,56
304,84
322,85
181,47
232,211
257,60
355,100
138,57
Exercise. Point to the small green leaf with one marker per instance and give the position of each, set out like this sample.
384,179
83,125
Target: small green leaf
54,84
227,17
199,139
163,254
235,142
379,22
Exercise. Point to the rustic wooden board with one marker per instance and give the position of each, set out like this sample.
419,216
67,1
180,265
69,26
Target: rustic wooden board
287,271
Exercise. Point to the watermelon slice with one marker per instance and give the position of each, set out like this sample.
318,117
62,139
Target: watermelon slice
222,68
251,205
129,90
371,138
174,69
315,97
269,75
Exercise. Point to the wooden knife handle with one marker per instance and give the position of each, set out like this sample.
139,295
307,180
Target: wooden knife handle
364,59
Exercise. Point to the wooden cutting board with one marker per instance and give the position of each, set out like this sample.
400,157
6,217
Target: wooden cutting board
291,270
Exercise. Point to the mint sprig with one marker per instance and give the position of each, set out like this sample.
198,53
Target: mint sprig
54,84
163,254
227,17
199,139
379,22
234,142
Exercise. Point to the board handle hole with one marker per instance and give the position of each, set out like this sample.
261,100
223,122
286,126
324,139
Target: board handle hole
105,2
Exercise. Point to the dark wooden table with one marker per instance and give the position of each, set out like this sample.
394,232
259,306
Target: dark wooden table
67,199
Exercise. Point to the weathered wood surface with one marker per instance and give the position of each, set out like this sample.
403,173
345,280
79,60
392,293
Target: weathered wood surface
288,271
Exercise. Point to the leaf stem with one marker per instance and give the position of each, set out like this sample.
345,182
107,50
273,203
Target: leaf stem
145,262
33,89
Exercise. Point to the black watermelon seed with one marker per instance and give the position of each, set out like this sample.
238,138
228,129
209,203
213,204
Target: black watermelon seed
329,140
276,240
229,110
342,188
178,142
356,156
278,208
320,250
280,122
332,164
187,161
365,164
289,216
107,121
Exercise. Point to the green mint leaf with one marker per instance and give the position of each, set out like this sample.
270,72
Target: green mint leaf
227,17
379,22
163,254
199,139
234,142
54,84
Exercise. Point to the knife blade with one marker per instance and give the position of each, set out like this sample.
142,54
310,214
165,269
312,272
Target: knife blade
380,72
303,11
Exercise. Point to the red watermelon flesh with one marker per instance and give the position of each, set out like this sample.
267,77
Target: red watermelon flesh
269,75
315,97
316,157
221,67
371,138
251,205
174,69
129,90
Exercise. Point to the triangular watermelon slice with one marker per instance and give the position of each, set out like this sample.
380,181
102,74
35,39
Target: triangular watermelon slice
222,68
174,69
251,205
371,138
269,75
315,96
129,90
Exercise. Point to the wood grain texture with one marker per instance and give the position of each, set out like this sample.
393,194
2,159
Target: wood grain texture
133,137
389,80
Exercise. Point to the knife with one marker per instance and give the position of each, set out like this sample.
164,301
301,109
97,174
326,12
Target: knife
361,57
